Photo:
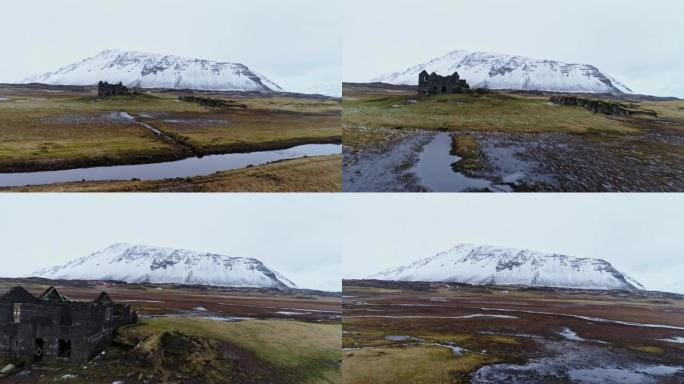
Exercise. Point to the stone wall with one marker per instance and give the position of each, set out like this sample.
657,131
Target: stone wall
434,83
605,107
214,103
73,331
105,89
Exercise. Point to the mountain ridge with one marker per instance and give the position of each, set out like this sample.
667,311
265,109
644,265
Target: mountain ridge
490,265
153,70
148,264
503,71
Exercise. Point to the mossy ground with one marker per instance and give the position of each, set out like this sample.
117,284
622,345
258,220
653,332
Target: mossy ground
55,130
372,358
194,350
490,112
431,314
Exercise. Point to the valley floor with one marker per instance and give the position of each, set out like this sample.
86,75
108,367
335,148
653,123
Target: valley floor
199,335
394,140
450,333
59,128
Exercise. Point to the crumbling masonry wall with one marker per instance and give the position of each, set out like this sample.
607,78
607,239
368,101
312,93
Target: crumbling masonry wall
105,89
433,83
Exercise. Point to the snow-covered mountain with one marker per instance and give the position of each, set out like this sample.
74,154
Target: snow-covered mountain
484,265
496,71
148,70
146,264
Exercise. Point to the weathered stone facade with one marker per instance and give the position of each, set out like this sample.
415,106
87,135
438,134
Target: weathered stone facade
599,106
105,89
53,327
434,83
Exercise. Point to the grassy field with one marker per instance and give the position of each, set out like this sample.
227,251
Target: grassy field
174,342
311,174
420,364
243,131
488,112
295,352
48,129
195,350
520,140
401,332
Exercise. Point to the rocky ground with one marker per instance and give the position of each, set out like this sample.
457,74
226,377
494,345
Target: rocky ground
652,161
507,141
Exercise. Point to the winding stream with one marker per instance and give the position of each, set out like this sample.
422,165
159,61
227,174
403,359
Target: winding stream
190,167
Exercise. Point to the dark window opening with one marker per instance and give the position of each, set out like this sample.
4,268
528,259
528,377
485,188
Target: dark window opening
64,348
443,89
38,350
16,313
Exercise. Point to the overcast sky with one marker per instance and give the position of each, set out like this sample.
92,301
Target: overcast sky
638,43
296,43
639,234
295,234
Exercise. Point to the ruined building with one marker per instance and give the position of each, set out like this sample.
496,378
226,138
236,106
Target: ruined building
53,327
105,89
434,83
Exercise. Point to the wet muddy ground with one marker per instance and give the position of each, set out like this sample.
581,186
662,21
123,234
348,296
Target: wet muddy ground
414,160
511,334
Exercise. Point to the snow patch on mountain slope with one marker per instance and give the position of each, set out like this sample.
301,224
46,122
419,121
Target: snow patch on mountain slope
147,264
150,70
498,71
485,265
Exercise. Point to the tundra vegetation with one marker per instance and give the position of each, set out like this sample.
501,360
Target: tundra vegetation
403,331
189,334
70,127
572,148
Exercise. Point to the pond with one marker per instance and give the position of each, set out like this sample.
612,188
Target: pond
190,167
435,172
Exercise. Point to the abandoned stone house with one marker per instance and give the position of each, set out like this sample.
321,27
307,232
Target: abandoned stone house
52,326
433,83
105,89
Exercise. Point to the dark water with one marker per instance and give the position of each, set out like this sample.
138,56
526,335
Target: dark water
181,168
435,172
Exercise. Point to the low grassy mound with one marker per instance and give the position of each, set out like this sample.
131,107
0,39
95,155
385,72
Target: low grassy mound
195,350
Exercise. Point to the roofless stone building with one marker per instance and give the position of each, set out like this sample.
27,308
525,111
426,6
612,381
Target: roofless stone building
434,83
52,326
105,89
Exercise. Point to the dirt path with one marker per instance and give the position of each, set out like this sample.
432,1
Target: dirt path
157,132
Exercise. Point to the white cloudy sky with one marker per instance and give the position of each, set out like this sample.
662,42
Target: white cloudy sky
638,43
639,234
296,43
295,234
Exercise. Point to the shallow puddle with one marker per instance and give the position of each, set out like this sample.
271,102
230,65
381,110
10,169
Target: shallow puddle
580,363
455,350
190,167
400,338
434,169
